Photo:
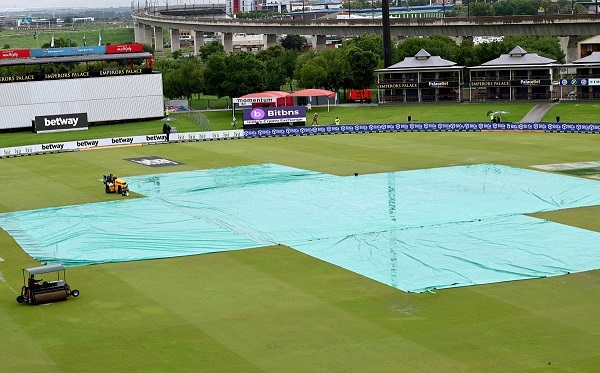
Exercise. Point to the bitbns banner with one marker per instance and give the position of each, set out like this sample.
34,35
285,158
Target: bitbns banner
275,116
64,122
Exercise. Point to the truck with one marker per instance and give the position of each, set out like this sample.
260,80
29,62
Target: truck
358,95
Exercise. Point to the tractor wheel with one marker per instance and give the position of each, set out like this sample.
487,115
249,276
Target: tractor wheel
20,299
75,293
107,189
119,190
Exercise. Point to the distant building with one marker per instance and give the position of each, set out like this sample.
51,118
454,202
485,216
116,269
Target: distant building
588,46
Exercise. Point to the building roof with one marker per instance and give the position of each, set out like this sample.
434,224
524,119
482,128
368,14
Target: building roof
593,58
421,60
518,57
592,40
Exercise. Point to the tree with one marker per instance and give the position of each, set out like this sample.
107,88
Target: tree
436,45
367,42
185,78
466,54
362,67
337,69
211,48
293,42
311,75
515,7
481,10
280,64
234,75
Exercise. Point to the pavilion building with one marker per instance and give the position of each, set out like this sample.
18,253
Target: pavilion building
515,76
422,78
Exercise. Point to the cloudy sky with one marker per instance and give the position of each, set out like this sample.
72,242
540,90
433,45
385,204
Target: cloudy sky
20,4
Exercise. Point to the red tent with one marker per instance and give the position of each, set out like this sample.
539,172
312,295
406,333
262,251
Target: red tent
283,98
312,92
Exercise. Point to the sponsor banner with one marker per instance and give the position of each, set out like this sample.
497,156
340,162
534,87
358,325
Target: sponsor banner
255,100
490,83
295,131
124,48
177,105
511,83
384,85
439,84
72,75
154,161
18,78
578,81
121,72
432,84
15,53
530,82
270,116
63,122
67,51
399,127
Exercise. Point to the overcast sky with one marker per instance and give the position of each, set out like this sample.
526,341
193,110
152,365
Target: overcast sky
20,4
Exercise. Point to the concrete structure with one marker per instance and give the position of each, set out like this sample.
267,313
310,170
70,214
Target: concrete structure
555,25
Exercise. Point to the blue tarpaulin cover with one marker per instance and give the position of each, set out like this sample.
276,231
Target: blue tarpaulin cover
413,230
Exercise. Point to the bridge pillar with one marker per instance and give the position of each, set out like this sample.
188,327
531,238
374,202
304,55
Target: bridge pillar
318,42
198,41
228,42
568,44
174,32
140,33
136,32
270,39
158,39
148,31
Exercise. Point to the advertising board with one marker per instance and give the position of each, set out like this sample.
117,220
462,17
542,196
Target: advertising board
63,122
275,117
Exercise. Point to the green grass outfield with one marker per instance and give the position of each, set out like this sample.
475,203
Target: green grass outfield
276,310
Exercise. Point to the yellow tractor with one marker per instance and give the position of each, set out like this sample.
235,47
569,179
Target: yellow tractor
113,184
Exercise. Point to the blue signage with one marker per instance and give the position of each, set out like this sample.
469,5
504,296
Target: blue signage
407,127
274,116
67,51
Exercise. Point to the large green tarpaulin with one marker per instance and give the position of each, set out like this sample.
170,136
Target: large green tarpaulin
413,230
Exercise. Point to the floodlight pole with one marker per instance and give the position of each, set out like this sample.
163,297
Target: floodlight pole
387,39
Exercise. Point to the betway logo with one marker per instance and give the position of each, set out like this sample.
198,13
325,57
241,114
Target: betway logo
83,144
156,138
123,49
122,140
53,146
10,55
61,122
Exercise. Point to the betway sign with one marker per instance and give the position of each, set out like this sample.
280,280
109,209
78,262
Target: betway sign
64,122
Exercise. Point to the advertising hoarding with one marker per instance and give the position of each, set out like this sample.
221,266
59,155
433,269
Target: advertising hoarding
275,116
124,48
63,122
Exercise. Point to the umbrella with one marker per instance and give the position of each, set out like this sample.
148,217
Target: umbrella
501,112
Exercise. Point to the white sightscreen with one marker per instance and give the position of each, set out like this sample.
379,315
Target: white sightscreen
103,99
